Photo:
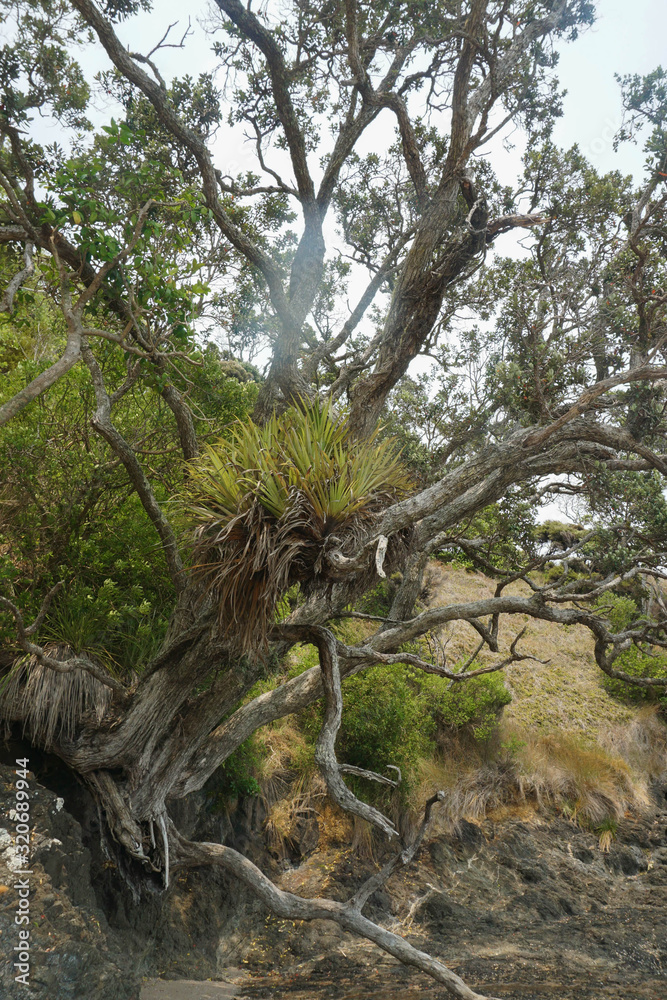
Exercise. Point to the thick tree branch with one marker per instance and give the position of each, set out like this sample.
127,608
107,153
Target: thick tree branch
645,373
325,753
290,907
195,145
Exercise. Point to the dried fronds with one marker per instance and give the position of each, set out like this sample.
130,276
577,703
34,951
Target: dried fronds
267,505
52,705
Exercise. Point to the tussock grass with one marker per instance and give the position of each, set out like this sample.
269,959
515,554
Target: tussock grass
586,782
591,784
642,743
285,751
336,826
473,789
289,786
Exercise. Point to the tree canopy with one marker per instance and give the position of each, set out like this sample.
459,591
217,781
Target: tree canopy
209,373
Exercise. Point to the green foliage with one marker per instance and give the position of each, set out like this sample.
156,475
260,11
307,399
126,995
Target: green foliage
620,611
220,390
377,600
120,627
385,721
427,415
36,65
398,715
67,510
627,508
264,501
504,533
473,705
236,777
638,661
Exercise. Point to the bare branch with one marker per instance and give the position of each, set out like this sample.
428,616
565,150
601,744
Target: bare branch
103,425
587,398
325,753
291,907
360,772
7,301
400,860
68,359
46,604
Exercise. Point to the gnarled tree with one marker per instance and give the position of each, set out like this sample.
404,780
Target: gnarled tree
338,267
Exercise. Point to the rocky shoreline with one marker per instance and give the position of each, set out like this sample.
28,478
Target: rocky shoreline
526,907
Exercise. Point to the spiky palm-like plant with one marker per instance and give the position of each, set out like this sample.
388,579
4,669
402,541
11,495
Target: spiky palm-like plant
266,502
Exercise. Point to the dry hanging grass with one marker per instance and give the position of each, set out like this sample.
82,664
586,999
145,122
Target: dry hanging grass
285,814
267,503
51,704
595,784
590,783
642,743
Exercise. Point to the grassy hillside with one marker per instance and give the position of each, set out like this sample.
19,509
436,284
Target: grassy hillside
564,694
543,737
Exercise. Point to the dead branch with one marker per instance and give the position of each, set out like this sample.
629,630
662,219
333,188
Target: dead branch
291,907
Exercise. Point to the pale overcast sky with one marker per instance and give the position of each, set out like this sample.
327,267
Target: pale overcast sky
627,38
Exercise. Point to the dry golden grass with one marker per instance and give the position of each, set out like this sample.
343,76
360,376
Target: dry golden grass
288,787
554,771
285,750
565,693
589,782
563,741
642,742
285,814
472,790
336,826
606,840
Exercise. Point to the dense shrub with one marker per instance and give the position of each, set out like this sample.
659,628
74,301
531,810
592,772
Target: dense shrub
397,715
621,611
236,777
473,705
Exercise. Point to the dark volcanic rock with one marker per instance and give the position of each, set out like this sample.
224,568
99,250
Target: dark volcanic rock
71,954
521,910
